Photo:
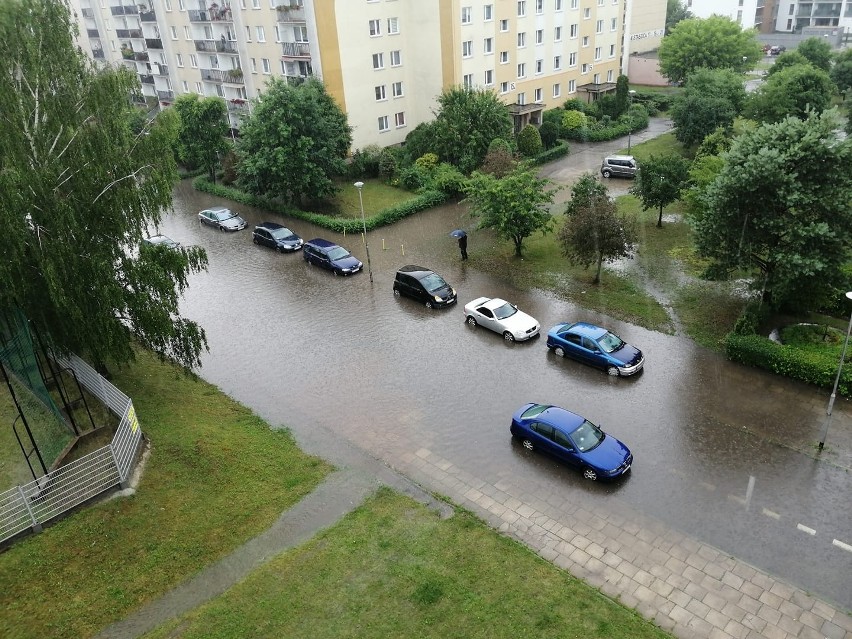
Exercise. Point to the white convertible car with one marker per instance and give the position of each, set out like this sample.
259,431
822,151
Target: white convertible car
501,317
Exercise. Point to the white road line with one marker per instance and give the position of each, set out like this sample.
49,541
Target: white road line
771,513
737,499
840,544
803,528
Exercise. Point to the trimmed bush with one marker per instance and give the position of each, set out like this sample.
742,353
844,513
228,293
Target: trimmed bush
529,141
448,180
560,150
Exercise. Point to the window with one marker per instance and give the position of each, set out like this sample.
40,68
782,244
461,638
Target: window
504,57
574,4
587,13
383,123
522,98
193,61
467,48
597,53
380,93
539,67
522,8
179,59
488,45
596,78
187,35
185,86
504,26
181,6
557,62
522,70
599,26
557,34
572,86
557,90
253,65
585,41
395,58
609,76
504,87
168,4
522,40
539,36
261,35
277,33
558,5
393,25
489,77
399,119
255,4
613,24
378,61
375,28
539,6
572,59
466,18
174,32
265,64
396,90
584,68
199,88
467,80
562,439
537,95
248,34
612,51
488,12
573,30
600,3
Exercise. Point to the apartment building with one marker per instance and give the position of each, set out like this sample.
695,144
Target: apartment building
384,61
796,15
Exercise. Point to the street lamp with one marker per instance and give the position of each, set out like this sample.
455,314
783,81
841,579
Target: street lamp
359,186
630,95
836,381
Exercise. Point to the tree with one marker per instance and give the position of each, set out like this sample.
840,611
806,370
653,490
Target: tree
722,83
529,141
499,161
817,51
622,95
841,72
465,123
203,127
786,59
594,232
796,91
696,116
659,182
778,208
715,43
293,143
574,120
676,11
80,191
549,132
515,206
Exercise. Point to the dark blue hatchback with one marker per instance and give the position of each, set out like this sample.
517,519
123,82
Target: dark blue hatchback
596,346
572,439
330,256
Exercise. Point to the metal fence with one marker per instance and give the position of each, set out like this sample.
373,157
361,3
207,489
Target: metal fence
33,504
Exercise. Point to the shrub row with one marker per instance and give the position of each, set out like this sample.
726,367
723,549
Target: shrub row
561,149
423,201
814,367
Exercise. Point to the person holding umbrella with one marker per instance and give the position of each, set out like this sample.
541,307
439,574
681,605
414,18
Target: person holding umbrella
462,238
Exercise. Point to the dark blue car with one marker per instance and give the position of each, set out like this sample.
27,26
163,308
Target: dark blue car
596,346
276,236
330,256
572,439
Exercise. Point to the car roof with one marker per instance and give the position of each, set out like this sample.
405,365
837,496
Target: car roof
493,303
556,416
415,271
217,208
619,157
271,226
587,330
321,243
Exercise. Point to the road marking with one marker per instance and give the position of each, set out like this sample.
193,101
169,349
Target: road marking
737,499
749,490
840,544
803,528
771,513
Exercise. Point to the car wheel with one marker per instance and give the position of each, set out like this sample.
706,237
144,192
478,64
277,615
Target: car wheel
279,249
221,228
254,239
395,293
559,351
527,444
590,474
508,336
606,173
429,304
335,272
612,371
471,320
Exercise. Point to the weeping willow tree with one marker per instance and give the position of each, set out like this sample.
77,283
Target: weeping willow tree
79,189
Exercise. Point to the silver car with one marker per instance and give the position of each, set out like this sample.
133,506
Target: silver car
501,317
222,218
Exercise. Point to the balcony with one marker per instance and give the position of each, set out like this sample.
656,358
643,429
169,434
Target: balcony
234,76
129,33
140,56
166,95
146,79
213,14
98,54
160,69
148,16
93,33
237,105
296,49
217,46
154,43
290,13
124,11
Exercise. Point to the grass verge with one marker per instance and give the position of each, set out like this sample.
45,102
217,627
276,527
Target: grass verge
217,476
392,568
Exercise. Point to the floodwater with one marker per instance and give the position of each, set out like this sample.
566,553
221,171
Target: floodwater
720,450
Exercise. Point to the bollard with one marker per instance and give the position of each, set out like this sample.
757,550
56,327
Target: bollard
383,244
402,246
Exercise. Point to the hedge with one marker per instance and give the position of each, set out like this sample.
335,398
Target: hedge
425,200
814,367
561,149
604,134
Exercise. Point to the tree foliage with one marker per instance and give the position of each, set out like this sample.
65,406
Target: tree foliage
465,123
715,43
529,141
622,95
203,127
779,206
574,120
593,231
817,51
676,11
293,143
549,132
841,72
697,115
786,59
514,206
499,161
80,191
794,91
660,181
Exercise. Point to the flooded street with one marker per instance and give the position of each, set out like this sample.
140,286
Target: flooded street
716,445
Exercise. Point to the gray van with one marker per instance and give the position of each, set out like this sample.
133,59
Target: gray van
425,286
619,166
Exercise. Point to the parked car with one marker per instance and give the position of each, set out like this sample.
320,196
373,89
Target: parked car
501,317
425,286
596,346
619,166
777,50
222,218
276,236
161,240
330,256
571,438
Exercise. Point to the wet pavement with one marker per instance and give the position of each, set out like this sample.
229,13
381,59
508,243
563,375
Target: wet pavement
729,522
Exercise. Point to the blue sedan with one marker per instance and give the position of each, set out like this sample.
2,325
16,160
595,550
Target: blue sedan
596,346
572,439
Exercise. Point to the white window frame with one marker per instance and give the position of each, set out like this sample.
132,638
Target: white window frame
467,49
383,124
522,39
393,26
488,46
266,66
399,119
557,63
260,34
557,90
396,58
489,78
557,34
380,93
488,12
504,57
522,70
397,89
378,61
466,15
375,28
539,36
522,8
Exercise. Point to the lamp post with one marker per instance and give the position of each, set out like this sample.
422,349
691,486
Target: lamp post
630,94
359,186
824,433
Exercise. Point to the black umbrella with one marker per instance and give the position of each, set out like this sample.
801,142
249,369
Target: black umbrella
458,233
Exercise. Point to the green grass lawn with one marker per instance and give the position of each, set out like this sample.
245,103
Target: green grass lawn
393,568
217,476
376,193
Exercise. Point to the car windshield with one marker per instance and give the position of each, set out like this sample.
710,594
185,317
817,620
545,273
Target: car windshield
282,233
587,436
610,342
433,282
338,253
507,310
534,410
224,214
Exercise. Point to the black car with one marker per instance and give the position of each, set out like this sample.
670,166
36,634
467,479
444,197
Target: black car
276,236
423,285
